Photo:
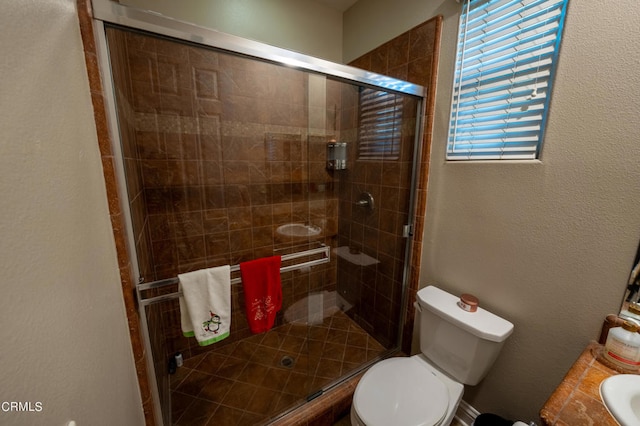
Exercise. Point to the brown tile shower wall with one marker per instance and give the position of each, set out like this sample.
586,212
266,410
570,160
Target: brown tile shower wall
412,56
219,154
126,118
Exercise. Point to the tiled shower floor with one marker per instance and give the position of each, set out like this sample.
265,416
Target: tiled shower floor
252,380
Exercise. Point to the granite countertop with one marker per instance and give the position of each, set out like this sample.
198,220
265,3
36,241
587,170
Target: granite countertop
576,401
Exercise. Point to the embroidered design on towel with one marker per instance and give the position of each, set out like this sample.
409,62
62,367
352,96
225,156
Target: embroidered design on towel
212,322
262,308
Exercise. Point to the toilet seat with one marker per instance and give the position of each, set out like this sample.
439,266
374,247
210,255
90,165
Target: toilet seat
401,392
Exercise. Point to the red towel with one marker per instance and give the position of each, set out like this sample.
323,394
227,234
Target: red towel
262,291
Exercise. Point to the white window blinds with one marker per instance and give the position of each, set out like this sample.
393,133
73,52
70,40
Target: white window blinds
380,125
507,51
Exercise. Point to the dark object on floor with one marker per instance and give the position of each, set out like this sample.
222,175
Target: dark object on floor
173,366
488,419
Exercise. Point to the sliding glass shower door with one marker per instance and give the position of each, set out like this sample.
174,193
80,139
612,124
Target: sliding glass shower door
230,159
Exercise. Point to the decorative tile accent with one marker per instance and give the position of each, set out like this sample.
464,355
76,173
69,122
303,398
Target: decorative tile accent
206,83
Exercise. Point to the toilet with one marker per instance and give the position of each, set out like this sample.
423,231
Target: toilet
458,344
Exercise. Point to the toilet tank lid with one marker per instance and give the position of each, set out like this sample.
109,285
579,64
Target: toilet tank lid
480,323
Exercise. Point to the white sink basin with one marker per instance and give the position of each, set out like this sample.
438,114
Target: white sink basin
298,230
621,396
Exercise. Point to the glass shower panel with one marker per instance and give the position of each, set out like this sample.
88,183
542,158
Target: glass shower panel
373,194
362,144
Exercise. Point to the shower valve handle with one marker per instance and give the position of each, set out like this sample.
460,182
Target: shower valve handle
365,200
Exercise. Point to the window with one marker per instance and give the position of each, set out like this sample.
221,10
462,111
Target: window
380,125
507,53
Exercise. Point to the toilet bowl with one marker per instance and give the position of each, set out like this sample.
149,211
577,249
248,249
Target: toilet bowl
405,391
458,346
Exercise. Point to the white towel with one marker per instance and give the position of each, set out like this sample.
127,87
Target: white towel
205,304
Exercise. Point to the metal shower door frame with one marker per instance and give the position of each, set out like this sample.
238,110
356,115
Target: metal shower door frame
111,12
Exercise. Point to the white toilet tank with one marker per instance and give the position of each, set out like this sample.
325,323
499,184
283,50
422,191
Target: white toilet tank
461,343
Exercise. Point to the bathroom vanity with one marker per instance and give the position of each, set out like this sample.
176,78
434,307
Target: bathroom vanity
576,401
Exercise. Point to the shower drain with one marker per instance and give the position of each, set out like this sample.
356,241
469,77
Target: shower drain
287,361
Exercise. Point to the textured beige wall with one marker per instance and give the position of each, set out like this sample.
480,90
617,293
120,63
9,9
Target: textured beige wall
65,341
303,26
547,245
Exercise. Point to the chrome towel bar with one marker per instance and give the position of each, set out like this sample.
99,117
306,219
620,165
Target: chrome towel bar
323,250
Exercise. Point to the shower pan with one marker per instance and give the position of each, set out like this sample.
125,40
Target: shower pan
223,146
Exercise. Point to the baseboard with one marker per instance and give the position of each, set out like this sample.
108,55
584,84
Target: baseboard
466,414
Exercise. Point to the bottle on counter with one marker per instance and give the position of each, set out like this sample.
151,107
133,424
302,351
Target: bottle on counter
622,347
632,311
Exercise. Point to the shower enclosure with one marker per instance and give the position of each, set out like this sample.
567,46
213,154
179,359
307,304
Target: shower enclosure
231,155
